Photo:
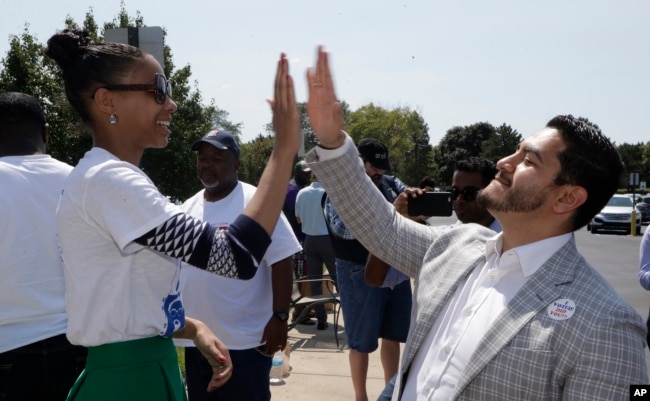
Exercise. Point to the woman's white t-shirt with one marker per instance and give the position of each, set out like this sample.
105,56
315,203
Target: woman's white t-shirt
116,289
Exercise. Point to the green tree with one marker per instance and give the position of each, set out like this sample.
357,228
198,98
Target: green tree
632,156
26,69
460,143
504,142
405,134
253,157
309,139
644,173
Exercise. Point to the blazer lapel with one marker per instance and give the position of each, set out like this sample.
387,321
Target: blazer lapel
539,291
433,288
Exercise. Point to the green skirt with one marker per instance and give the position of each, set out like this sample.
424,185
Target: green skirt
145,369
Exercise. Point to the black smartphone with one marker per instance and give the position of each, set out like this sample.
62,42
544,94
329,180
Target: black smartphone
430,204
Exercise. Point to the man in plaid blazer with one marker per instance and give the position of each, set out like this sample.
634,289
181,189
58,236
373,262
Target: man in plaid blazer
513,316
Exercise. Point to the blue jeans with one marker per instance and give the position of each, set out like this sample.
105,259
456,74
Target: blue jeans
372,312
249,381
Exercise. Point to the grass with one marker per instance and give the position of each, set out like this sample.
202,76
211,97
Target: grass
180,351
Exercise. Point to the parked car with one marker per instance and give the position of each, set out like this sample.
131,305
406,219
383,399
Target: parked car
636,198
643,206
616,216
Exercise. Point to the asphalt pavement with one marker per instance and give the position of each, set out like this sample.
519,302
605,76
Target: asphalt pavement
320,370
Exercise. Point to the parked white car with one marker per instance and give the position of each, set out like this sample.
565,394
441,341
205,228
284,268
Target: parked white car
616,216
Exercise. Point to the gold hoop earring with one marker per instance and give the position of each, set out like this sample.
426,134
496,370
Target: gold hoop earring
112,119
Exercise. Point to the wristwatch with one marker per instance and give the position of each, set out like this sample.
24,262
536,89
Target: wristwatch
283,316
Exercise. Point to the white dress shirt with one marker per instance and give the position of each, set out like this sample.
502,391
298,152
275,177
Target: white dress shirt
466,318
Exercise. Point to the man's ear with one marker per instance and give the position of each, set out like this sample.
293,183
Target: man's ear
104,100
571,198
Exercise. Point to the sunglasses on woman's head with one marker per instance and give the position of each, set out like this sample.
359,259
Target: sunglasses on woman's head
162,88
468,193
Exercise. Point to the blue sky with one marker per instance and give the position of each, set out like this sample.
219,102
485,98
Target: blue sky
455,62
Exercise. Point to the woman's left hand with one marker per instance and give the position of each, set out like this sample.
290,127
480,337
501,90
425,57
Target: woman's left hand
212,349
217,355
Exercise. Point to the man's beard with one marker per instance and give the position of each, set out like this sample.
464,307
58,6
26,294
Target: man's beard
516,200
210,185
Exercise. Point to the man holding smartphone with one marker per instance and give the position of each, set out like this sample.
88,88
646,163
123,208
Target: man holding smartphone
470,176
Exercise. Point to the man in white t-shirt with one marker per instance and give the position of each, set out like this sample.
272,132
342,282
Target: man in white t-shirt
37,362
250,317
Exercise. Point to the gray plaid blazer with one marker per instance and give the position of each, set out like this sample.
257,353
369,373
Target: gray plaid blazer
594,355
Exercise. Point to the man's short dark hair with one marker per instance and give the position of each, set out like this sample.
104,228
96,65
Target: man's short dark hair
427,181
481,165
20,109
23,123
589,160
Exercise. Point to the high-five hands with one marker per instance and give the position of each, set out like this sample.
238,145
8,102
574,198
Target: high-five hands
323,108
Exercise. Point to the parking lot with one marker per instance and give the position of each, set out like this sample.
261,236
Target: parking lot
616,257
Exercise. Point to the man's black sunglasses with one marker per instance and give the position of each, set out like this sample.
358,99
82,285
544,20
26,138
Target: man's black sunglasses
468,193
161,89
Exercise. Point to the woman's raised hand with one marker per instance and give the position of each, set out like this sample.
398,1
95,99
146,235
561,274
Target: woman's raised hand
286,118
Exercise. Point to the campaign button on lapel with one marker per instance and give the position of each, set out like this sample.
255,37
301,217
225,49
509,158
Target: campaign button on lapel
561,309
